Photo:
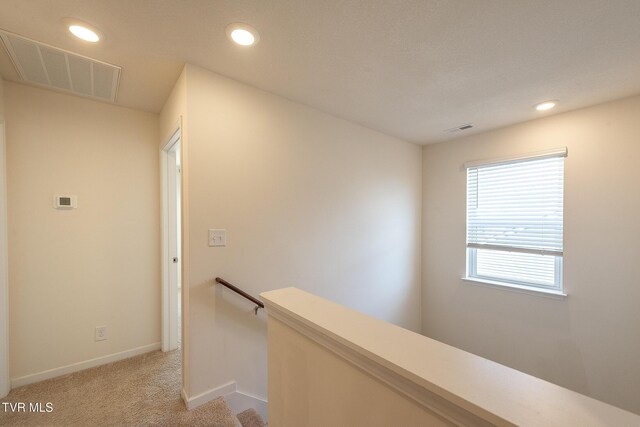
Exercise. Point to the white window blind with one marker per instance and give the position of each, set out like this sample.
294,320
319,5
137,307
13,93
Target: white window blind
515,220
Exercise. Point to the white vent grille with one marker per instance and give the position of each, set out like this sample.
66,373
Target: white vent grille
459,128
48,66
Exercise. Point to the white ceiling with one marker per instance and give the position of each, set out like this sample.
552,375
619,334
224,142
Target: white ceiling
406,68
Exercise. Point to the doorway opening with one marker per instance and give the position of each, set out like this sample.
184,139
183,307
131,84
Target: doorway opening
172,243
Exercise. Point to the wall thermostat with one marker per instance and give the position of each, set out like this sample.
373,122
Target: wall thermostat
65,202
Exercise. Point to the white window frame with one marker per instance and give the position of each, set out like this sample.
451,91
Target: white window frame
471,250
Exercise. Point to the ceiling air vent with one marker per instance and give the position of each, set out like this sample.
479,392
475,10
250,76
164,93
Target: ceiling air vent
54,68
459,128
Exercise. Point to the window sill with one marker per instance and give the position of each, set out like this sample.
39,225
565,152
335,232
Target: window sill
539,292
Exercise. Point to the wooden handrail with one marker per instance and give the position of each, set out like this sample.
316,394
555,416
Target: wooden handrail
256,301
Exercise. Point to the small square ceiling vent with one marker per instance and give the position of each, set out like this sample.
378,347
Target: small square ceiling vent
54,68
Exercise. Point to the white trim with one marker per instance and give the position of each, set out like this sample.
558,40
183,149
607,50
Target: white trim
184,234
238,401
556,152
209,395
169,342
514,249
185,397
164,253
178,131
175,137
531,290
80,366
5,386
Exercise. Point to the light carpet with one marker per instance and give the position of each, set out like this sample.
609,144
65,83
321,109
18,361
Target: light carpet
250,418
141,391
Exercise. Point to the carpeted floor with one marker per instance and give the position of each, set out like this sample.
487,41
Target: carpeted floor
250,418
141,391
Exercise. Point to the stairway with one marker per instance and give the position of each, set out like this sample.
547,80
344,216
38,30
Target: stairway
218,414
250,418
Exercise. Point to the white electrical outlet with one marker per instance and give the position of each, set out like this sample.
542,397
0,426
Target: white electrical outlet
101,333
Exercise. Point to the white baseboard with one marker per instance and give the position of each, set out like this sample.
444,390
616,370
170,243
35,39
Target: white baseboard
185,398
238,401
80,366
208,396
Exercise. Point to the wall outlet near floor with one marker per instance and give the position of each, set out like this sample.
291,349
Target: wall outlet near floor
101,333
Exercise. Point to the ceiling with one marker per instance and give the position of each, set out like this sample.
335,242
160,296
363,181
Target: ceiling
411,69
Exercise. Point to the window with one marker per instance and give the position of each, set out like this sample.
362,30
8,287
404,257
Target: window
515,220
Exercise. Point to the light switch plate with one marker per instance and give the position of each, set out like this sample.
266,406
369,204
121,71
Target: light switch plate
217,237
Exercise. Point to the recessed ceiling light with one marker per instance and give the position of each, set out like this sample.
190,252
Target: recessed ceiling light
83,30
84,33
242,34
546,105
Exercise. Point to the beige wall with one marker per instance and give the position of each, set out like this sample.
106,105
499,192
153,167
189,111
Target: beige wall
311,385
1,98
307,200
588,341
173,109
4,277
71,271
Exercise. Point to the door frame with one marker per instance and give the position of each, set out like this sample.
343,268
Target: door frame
169,342
5,381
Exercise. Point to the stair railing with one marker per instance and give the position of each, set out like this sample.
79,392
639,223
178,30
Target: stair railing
259,304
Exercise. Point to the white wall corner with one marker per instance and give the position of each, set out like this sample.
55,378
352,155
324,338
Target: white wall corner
185,398
237,400
209,395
